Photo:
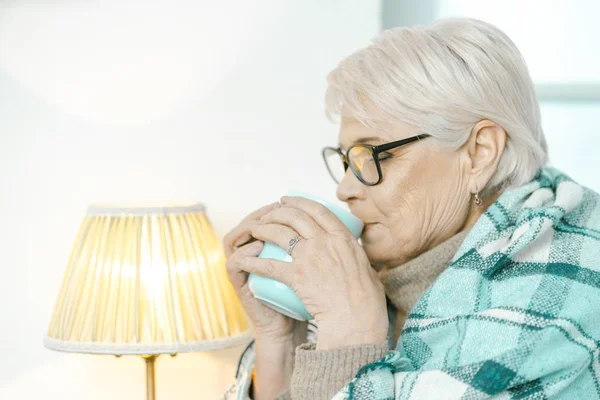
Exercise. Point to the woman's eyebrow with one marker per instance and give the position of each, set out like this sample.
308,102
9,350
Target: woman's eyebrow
364,140
368,139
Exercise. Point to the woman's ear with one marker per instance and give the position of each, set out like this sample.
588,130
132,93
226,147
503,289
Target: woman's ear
485,148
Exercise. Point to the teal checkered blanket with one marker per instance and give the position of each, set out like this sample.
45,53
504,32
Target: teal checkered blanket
515,315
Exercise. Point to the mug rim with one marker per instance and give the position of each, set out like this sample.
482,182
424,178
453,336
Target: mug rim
348,213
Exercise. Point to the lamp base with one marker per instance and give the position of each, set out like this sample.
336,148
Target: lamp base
150,386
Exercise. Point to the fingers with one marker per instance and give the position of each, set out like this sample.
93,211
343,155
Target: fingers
238,236
238,276
277,234
257,214
294,218
279,270
318,212
241,234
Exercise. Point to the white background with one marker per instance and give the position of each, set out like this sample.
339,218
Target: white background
219,102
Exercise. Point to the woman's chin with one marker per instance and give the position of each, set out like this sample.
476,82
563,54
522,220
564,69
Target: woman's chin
373,242
380,248
370,232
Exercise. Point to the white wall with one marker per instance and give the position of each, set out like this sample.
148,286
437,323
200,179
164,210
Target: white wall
559,39
215,101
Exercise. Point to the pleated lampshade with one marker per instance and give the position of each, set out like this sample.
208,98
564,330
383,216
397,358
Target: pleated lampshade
146,280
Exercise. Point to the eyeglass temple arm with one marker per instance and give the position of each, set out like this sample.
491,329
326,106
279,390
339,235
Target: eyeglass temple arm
392,145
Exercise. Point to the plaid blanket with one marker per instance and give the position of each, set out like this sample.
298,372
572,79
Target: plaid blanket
515,315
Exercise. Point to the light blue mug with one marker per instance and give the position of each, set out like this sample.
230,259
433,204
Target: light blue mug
280,296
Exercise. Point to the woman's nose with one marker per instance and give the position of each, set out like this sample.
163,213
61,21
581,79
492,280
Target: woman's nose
350,188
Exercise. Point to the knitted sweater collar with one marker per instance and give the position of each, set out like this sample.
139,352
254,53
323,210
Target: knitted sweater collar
406,283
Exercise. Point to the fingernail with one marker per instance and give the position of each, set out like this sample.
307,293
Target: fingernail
284,199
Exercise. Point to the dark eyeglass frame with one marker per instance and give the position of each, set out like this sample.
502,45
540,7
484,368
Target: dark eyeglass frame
374,150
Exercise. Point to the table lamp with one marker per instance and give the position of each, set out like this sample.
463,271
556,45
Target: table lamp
146,280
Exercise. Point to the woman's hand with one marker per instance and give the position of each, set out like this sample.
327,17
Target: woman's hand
239,245
242,233
330,272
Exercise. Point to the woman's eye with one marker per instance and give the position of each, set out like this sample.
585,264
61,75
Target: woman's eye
384,156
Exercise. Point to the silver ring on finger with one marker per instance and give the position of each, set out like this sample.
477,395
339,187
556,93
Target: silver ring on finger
292,243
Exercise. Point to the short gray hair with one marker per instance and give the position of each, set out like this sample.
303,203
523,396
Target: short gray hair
444,78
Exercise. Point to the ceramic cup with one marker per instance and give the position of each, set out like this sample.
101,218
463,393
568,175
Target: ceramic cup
280,296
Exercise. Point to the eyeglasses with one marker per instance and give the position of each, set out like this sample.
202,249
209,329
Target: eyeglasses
363,159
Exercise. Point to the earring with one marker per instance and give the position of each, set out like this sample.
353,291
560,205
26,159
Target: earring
478,201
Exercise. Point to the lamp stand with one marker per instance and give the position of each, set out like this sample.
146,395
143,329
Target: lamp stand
150,386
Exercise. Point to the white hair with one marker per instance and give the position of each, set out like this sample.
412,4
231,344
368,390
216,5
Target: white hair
444,78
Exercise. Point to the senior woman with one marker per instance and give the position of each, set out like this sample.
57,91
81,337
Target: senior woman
477,274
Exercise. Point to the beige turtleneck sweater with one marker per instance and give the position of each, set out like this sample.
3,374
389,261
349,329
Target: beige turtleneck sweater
320,374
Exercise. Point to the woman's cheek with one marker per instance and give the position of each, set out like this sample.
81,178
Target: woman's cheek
409,227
